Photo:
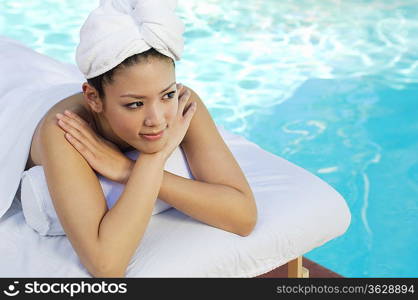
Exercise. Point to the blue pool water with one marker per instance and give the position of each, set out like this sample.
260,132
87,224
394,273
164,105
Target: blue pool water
331,86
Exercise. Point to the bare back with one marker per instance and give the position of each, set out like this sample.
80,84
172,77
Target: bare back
74,103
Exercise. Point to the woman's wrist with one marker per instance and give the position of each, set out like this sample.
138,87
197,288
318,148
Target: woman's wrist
160,156
127,167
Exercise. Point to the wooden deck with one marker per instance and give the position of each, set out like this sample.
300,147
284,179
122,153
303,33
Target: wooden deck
315,271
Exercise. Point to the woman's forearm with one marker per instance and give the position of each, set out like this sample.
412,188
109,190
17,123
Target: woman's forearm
123,226
218,205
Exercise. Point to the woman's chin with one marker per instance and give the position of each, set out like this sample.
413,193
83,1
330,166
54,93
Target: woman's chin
150,148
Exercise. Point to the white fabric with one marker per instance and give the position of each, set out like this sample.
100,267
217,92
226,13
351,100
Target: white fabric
297,211
118,29
30,84
39,210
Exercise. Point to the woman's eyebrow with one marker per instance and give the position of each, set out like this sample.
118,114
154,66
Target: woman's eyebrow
138,96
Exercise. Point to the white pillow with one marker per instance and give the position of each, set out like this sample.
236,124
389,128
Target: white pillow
39,210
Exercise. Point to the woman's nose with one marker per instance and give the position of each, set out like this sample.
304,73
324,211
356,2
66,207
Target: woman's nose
153,115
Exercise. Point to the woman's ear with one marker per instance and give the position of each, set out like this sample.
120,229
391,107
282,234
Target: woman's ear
91,96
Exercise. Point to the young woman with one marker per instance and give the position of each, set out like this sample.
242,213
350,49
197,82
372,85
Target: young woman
135,105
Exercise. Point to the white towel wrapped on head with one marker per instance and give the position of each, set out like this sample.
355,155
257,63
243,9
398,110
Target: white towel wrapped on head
118,29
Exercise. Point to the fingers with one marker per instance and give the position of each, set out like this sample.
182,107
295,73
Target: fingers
182,101
185,96
190,111
74,120
75,128
180,88
84,151
76,140
75,117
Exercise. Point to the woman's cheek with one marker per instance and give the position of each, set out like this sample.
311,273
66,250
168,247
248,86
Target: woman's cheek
126,127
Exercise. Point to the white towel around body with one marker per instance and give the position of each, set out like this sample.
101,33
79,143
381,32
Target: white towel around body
30,84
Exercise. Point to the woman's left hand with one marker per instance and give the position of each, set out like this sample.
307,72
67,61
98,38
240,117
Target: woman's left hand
102,155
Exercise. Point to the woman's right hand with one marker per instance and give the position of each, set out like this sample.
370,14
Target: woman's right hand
181,121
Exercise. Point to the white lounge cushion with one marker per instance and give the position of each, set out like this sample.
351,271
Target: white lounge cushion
297,212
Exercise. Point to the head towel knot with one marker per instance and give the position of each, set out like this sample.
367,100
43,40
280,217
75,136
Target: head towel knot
118,29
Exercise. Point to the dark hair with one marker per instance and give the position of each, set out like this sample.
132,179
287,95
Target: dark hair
98,82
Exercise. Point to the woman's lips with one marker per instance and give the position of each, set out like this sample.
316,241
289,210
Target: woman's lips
152,137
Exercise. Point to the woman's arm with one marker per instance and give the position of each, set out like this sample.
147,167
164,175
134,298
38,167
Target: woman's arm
218,205
122,227
220,196
103,239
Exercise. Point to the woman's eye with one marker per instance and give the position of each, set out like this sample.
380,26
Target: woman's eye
129,105
172,94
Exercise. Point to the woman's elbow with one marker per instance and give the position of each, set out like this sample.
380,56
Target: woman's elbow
108,273
104,269
248,228
251,221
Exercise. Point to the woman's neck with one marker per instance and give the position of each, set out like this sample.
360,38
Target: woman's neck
104,130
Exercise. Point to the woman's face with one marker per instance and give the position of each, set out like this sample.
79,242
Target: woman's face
142,99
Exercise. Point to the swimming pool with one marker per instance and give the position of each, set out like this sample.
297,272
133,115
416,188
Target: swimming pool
328,85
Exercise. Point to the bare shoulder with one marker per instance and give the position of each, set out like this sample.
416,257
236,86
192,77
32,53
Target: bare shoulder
208,156
75,191
73,103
